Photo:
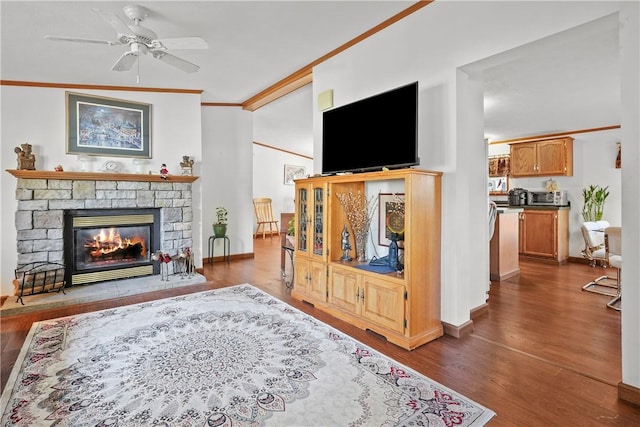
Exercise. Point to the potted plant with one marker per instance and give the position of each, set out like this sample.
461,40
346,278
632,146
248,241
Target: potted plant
594,197
220,226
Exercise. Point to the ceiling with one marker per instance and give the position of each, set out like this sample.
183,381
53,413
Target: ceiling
252,44
565,82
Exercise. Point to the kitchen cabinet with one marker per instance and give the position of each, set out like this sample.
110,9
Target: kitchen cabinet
404,307
544,234
550,157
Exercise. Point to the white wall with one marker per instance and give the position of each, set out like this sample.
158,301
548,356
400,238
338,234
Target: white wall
287,125
429,46
227,175
37,115
594,156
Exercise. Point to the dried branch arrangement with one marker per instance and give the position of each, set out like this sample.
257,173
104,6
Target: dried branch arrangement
359,212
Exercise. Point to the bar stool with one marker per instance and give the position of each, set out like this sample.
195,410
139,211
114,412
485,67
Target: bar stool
226,245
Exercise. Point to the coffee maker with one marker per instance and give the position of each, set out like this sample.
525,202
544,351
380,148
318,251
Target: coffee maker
518,197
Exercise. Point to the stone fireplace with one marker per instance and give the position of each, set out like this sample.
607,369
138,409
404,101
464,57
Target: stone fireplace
46,199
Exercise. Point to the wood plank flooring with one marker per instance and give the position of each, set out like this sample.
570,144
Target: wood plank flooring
546,354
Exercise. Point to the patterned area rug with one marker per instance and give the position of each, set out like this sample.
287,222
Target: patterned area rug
233,356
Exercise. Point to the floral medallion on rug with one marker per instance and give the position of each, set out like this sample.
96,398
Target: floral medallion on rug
228,357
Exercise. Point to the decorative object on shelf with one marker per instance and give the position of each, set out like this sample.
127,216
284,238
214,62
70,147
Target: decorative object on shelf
99,126
292,172
139,164
26,159
359,212
83,160
619,156
187,165
220,226
164,172
550,185
393,252
58,168
594,197
499,165
345,245
111,166
390,216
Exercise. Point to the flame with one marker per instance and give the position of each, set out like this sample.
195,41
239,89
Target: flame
109,241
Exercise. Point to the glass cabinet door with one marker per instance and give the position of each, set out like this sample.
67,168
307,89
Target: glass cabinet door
318,226
302,220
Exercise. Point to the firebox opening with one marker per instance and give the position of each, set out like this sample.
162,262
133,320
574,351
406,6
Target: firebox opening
108,244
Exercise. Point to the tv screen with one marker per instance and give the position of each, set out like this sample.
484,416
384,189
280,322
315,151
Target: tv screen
372,133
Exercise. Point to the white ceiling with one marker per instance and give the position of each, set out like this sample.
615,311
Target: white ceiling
252,44
565,82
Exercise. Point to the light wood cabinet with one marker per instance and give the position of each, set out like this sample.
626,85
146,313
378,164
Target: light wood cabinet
373,298
403,307
544,234
549,157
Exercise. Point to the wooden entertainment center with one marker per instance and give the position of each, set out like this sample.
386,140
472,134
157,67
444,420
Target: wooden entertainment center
404,307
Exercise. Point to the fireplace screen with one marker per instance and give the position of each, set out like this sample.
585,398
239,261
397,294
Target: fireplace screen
108,244
105,247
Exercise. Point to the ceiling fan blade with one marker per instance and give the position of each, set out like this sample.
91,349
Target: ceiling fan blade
116,22
125,62
183,43
81,40
180,63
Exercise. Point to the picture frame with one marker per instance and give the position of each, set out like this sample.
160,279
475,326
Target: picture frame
390,216
101,126
292,172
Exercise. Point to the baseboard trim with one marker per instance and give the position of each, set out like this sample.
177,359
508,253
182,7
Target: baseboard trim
629,393
481,310
461,331
216,259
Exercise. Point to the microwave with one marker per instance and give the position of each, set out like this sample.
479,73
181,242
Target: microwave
547,198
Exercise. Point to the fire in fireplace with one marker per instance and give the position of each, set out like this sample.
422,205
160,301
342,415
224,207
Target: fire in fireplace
107,244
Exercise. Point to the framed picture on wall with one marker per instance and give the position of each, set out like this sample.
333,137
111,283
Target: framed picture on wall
292,172
99,126
391,216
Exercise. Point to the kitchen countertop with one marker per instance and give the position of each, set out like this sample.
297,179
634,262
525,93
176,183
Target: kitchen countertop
538,207
509,210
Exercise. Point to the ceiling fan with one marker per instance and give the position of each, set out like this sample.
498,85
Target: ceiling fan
141,40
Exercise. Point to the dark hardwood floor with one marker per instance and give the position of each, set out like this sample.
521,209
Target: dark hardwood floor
545,354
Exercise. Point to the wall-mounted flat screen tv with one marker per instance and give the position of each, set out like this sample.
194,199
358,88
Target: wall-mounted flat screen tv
372,133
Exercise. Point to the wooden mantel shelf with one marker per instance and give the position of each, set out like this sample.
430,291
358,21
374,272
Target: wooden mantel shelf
98,176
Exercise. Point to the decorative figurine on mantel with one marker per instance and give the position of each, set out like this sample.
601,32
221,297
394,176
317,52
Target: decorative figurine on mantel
187,165
164,171
346,246
26,159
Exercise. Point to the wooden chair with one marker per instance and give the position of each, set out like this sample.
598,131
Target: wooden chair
264,217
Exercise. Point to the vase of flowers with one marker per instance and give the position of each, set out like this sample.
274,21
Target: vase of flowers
359,212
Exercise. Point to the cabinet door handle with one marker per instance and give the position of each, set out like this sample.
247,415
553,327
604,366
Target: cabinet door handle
358,295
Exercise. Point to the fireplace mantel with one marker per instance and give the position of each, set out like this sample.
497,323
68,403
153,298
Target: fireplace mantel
98,176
